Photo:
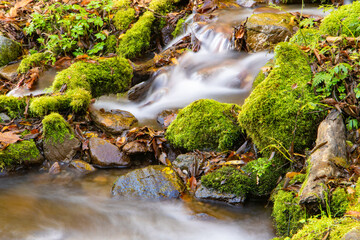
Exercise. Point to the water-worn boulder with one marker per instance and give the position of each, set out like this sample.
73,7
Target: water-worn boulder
265,30
152,182
105,154
9,72
186,161
206,125
24,152
136,147
9,50
114,121
211,194
280,110
60,143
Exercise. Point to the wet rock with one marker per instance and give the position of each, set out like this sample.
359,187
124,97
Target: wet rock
105,154
55,169
4,117
9,72
24,152
209,194
62,151
353,234
138,92
246,3
81,166
113,122
265,30
166,117
136,147
152,182
186,161
9,50
166,34
326,161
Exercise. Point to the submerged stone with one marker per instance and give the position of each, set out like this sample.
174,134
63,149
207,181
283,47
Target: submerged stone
114,121
105,154
152,182
82,166
265,30
9,50
210,194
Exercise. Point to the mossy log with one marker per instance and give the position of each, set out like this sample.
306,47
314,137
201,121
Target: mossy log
325,162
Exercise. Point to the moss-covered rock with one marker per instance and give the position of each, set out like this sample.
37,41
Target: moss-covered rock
264,175
343,21
9,50
136,39
287,213
123,18
339,202
110,44
207,125
179,27
228,180
306,37
56,129
13,106
282,103
161,6
20,152
316,229
31,61
104,76
122,3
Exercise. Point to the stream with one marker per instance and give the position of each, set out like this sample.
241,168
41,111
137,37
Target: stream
39,206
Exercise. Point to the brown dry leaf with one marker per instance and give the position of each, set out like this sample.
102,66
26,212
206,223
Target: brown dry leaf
18,5
292,174
8,138
34,76
63,63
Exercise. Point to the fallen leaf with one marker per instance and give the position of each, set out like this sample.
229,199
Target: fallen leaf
18,5
9,138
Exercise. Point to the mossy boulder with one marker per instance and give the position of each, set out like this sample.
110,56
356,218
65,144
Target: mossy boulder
123,18
343,21
334,228
207,125
13,106
153,182
24,152
137,38
339,202
279,110
228,180
9,50
287,213
60,143
264,175
98,76
265,30
31,61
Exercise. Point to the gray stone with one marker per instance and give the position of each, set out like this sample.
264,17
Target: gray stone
4,117
152,182
81,166
186,161
105,154
62,151
113,122
9,50
353,234
209,194
9,72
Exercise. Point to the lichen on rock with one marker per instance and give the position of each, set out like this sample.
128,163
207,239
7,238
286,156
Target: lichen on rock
279,110
206,125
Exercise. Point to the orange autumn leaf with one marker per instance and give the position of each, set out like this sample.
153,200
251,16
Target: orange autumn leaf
8,138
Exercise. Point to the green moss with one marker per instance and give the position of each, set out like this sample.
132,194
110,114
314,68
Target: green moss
343,21
122,3
160,6
205,124
31,61
77,100
123,18
136,39
227,180
179,27
287,213
282,103
264,175
306,37
105,76
316,229
13,106
9,49
339,202
18,152
110,44
259,78
55,128
300,178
